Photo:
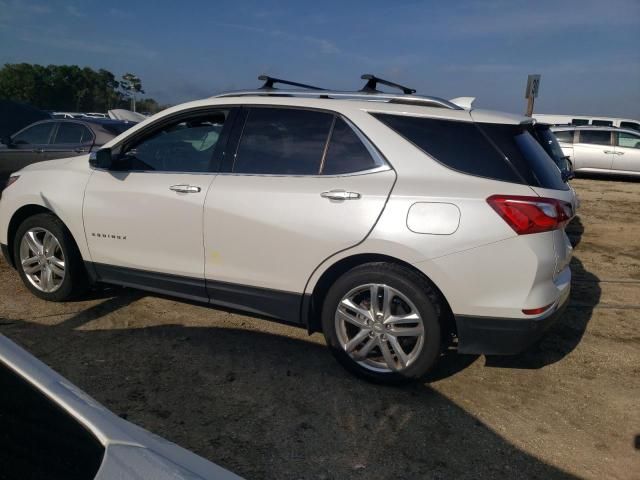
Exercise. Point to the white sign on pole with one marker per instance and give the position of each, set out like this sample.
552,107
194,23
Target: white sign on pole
533,85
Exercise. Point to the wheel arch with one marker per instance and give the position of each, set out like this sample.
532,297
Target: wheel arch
20,216
312,304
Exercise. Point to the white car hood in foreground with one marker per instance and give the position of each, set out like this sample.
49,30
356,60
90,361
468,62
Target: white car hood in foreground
130,451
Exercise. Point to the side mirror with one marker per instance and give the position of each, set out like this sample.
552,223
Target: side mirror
103,158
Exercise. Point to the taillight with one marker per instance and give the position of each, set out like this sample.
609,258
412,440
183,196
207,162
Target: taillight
531,214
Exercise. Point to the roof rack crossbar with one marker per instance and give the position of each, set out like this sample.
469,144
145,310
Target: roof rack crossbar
270,81
372,83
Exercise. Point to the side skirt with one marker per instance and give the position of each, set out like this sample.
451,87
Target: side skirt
262,302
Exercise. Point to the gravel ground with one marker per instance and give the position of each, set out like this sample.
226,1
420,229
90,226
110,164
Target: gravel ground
266,401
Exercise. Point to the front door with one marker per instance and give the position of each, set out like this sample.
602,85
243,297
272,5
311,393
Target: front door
143,218
627,157
302,186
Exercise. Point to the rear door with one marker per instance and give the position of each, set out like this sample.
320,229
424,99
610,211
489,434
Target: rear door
627,152
297,187
28,146
593,149
70,139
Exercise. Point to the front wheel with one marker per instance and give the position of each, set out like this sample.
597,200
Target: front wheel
382,322
48,259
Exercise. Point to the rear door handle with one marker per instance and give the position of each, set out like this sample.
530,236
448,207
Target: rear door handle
185,188
79,150
38,150
340,195
609,151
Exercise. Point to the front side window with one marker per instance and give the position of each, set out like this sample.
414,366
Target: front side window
628,140
595,137
36,135
186,145
281,141
72,133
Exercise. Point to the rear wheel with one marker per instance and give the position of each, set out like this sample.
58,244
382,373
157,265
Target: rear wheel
48,259
382,322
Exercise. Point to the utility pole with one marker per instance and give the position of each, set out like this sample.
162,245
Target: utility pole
533,85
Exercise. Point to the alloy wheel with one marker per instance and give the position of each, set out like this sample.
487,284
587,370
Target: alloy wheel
42,260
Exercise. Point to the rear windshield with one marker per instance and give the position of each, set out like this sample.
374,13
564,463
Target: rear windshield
507,153
40,440
549,142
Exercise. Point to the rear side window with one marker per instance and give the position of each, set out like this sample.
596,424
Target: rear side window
564,136
72,133
595,137
35,135
280,141
579,121
346,153
458,145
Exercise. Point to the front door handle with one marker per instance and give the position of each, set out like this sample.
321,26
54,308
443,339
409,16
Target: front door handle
619,153
340,195
185,188
38,150
609,151
80,150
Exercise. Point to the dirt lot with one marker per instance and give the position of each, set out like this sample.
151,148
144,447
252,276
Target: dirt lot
267,401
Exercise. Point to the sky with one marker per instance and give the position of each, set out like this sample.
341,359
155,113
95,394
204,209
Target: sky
587,51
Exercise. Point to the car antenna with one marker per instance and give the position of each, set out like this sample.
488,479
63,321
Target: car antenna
372,83
270,81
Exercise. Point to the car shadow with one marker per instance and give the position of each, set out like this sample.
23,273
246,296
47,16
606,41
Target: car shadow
271,406
565,335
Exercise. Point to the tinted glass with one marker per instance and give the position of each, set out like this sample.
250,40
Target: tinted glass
628,140
72,133
458,145
602,123
595,137
579,121
632,125
564,136
346,153
40,440
549,142
116,128
38,134
282,141
526,154
184,146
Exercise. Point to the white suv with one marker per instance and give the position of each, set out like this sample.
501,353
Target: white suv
398,225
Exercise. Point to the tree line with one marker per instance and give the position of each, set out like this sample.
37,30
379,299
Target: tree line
70,88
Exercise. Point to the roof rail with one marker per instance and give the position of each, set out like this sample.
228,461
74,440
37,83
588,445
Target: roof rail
419,100
270,81
372,83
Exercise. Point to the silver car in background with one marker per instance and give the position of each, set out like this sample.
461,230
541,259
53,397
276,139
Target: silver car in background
602,150
51,429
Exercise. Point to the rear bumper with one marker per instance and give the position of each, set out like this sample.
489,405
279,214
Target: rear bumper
5,254
504,336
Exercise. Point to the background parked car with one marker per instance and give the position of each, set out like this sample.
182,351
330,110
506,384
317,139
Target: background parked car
549,142
50,139
607,150
581,120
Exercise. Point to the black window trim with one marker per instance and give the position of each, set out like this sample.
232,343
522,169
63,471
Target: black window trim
217,155
369,145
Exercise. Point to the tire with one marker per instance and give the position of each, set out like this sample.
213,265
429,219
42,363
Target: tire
409,293
73,283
